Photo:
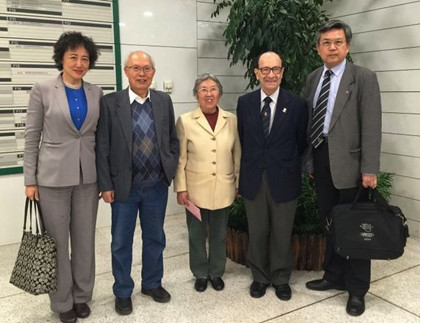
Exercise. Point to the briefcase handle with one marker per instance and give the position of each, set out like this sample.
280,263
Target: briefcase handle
379,201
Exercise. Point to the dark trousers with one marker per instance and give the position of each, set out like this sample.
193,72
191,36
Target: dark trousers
150,203
270,224
355,274
203,264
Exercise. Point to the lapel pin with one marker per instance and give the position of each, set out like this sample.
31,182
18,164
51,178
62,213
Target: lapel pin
284,110
347,91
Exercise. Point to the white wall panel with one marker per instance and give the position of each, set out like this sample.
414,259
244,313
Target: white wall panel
401,165
399,37
406,187
219,67
401,144
176,64
399,59
210,30
159,23
399,80
406,14
401,124
401,102
204,11
345,7
211,49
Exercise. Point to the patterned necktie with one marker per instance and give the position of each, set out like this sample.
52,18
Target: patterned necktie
319,113
265,114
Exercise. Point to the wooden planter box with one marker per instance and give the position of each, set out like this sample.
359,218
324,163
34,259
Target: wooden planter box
308,251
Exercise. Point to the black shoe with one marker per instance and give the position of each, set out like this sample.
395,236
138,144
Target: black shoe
355,305
217,283
68,317
283,292
123,306
258,289
159,294
201,284
82,310
322,285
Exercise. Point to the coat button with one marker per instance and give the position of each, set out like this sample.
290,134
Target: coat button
213,151
213,139
213,162
214,174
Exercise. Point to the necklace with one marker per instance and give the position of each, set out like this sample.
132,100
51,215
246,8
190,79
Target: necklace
72,86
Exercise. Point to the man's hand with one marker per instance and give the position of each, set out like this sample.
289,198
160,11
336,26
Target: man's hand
369,180
108,196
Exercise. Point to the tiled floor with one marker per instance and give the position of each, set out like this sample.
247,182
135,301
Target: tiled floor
394,296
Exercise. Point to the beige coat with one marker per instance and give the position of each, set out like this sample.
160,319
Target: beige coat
209,163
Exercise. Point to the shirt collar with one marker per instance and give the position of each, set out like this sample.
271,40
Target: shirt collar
337,70
273,96
133,96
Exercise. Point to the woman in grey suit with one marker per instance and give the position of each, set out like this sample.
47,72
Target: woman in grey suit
60,172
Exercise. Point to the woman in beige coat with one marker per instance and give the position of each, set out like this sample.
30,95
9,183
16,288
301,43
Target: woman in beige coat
207,176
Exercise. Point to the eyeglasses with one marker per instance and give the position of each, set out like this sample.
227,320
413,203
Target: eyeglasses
204,91
328,43
138,69
275,70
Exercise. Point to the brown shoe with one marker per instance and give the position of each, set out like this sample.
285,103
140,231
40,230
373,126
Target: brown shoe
82,310
68,317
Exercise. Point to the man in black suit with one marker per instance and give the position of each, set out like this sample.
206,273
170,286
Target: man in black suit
137,154
272,126
345,136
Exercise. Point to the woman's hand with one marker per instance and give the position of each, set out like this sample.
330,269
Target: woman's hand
107,196
182,198
32,192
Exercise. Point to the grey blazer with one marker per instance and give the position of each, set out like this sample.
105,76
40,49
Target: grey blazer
56,153
115,136
354,137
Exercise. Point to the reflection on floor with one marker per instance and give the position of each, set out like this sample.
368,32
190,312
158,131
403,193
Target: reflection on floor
394,296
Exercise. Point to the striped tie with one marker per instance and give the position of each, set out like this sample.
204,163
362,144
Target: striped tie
319,113
265,114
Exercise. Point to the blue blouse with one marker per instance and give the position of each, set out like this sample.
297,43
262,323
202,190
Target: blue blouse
78,105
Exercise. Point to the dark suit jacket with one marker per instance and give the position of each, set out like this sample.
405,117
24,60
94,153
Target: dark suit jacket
280,154
114,140
354,137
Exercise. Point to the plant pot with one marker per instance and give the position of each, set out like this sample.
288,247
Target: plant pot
308,250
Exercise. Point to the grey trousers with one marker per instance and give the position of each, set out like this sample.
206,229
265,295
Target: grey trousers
202,265
70,212
270,224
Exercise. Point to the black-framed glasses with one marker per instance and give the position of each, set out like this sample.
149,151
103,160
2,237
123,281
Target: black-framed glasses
138,69
274,69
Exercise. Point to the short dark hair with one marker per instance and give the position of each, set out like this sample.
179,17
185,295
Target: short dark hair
335,24
204,77
72,40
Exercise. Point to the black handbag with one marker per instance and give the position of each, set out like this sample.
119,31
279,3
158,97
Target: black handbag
368,230
35,266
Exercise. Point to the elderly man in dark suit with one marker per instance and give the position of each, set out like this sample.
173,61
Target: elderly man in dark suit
272,126
345,135
137,154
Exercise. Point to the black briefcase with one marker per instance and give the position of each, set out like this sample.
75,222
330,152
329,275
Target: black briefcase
369,230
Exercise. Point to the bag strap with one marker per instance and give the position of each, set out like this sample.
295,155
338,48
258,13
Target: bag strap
37,207
27,206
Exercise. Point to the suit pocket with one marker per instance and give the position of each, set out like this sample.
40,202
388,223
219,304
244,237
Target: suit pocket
357,150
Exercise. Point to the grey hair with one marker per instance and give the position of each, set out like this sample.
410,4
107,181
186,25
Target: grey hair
204,77
335,24
144,53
